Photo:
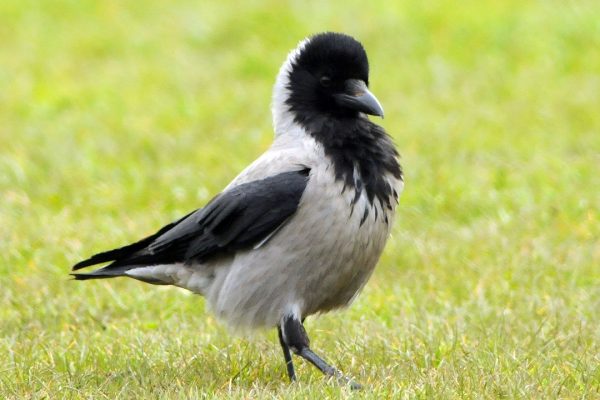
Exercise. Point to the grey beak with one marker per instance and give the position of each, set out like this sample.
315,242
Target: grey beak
356,96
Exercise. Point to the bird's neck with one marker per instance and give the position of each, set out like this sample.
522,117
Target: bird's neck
362,154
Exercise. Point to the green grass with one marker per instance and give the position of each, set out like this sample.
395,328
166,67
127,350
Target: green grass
117,117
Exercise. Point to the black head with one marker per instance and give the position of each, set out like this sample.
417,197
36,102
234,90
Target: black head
323,89
330,75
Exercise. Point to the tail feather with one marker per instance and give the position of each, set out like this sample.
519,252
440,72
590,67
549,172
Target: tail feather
112,255
101,273
120,254
125,252
114,272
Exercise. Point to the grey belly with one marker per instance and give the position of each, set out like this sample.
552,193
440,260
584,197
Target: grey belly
316,263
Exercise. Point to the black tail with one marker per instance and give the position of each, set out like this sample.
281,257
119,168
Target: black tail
115,254
121,258
114,272
119,264
121,253
102,273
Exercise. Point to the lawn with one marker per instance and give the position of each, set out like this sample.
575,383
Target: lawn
116,117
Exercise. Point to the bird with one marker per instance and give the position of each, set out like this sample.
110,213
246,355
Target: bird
300,230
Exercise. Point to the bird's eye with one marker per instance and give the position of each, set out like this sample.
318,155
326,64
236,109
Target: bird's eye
325,81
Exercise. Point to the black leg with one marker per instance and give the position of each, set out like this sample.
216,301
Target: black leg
287,355
293,335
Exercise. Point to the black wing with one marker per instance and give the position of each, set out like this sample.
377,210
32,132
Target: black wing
238,218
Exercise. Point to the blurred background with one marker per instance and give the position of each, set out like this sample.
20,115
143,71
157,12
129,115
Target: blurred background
119,116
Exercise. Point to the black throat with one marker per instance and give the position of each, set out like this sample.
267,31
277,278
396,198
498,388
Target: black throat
352,144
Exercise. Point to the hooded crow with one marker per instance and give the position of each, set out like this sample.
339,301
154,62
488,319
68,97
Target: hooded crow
300,230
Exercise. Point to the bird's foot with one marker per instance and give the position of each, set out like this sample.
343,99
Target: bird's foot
344,380
292,336
328,370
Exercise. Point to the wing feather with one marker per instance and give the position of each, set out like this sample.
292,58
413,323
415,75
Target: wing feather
239,218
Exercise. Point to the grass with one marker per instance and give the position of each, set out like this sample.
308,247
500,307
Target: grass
117,117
